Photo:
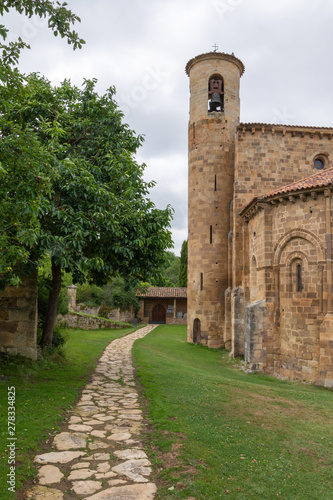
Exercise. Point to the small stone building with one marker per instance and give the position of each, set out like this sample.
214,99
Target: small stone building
163,305
260,231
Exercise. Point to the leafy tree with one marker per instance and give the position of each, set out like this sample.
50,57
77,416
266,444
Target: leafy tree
172,270
84,190
23,188
59,18
168,272
182,278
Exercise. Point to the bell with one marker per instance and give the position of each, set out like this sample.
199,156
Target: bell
215,102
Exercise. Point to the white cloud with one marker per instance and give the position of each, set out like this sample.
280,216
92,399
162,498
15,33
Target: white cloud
285,46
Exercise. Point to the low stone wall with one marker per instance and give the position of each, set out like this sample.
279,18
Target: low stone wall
72,320
113,314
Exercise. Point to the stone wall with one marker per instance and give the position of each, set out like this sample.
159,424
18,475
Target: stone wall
289,233
72,320
18,319
268,157
113,314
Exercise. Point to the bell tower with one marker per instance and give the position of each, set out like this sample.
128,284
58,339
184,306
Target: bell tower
214,116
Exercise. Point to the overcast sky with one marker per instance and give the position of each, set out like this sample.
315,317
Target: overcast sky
142,46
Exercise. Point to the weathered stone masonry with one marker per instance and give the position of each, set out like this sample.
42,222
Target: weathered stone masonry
18,319
260,253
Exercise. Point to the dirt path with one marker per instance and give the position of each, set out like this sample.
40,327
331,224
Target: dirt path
100,455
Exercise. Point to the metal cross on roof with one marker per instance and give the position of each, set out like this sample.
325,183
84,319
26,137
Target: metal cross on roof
215,47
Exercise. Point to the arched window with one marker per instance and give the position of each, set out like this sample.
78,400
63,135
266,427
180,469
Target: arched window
297,275
299,284
216,93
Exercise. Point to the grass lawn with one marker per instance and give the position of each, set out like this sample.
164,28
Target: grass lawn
46,390
217,432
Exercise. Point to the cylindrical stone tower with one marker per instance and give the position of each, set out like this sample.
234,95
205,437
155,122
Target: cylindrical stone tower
214,116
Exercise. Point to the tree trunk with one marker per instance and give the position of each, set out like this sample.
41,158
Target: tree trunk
52,305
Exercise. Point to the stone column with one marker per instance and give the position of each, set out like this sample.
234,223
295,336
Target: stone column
238,321
71,290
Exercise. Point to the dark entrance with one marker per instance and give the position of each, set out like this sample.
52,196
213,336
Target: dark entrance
196,331
158,314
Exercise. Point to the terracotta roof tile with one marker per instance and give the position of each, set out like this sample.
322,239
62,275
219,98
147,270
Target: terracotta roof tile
281,125
164,292
317,180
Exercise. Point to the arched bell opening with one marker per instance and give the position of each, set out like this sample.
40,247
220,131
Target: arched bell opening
216,93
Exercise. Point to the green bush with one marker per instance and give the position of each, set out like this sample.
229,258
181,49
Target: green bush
116,293
90,295
58,341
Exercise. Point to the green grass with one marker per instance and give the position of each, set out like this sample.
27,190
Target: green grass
217,432
46,390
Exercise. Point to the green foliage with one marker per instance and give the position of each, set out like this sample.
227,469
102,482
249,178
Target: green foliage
169,271
81,197
90,295
59,18
116,293
72,189
182,277
59,339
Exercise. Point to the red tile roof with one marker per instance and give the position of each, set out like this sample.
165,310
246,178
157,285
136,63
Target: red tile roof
279,125
163,292
317,180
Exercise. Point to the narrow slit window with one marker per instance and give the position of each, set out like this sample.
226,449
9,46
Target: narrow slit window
299,285
215,183
211,234
201,281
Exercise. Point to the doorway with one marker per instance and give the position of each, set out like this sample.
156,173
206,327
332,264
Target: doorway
158,315
196,331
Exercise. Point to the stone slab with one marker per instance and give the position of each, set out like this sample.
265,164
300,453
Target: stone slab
130,492
61,457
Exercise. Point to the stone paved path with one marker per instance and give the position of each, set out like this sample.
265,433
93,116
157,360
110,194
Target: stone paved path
100,455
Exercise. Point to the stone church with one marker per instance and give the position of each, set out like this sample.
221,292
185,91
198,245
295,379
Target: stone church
260,231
